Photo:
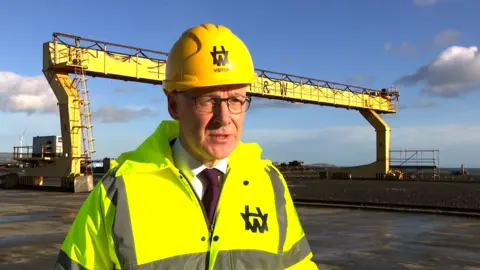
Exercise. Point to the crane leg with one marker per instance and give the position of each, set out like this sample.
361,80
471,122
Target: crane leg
69,101
382,129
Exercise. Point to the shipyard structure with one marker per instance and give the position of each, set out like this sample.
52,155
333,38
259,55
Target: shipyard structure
68,60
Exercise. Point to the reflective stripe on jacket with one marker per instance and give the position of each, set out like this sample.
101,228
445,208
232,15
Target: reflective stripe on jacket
144,214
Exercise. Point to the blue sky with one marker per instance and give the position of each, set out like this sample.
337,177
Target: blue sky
371,43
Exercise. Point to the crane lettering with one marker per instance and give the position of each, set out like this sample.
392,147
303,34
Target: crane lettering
265,87
283,88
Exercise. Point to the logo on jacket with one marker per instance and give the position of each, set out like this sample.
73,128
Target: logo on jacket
255,222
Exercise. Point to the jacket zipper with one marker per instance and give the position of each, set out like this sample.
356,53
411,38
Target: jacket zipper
211,226
214,221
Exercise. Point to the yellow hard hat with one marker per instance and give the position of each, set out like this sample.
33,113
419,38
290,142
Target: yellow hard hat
208,55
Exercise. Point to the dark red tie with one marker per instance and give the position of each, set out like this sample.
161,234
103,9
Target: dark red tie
212,191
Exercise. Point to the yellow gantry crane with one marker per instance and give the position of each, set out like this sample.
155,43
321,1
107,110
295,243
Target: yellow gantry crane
82,57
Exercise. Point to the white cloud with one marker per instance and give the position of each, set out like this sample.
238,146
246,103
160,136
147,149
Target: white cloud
112,113
405,47
340,145
128,89
446,37
420,104
443,38
159,99
355,145
259,103
425,2
34,125
454,72
361,79
26,94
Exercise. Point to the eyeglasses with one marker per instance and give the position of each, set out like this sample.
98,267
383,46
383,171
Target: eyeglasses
205,104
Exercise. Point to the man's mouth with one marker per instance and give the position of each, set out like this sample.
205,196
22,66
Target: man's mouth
219,136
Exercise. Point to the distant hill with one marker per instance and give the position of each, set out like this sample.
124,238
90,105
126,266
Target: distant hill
6,157
323,165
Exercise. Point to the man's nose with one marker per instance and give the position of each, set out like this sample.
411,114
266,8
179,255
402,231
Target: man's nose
222,113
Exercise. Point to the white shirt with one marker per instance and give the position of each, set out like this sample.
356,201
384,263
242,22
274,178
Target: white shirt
185,162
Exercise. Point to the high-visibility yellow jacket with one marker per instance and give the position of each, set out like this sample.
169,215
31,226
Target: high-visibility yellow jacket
144,214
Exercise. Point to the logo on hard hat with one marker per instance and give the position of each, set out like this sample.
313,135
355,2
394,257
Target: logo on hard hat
259,219
220,59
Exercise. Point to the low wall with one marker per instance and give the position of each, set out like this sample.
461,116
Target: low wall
416,193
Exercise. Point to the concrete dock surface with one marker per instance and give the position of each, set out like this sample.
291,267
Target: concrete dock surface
33,224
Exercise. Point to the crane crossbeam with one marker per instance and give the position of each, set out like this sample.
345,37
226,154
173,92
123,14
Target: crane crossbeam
115,61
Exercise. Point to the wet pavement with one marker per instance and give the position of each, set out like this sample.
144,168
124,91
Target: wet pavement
33,225
356,239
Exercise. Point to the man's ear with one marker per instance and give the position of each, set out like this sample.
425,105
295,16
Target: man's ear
172,101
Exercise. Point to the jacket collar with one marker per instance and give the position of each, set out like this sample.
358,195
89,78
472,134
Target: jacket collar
155,152
190,165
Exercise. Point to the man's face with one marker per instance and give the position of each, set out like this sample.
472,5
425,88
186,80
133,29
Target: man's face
209,136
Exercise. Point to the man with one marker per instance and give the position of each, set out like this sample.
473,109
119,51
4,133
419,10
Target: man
192,195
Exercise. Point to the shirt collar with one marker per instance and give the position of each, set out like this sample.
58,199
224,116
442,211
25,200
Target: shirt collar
185,162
